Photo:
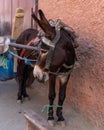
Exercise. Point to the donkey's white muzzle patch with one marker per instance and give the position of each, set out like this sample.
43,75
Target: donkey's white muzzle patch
39,74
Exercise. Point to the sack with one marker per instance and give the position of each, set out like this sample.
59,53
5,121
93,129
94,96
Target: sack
6,66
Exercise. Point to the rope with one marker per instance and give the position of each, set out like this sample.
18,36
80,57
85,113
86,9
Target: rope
47,106
3,61
27,61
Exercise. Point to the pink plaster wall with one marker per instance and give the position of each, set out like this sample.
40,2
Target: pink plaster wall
86,86
7,12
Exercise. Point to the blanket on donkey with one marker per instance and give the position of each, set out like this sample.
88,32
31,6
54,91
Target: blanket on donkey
6,66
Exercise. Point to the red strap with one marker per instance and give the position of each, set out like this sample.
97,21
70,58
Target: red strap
24,50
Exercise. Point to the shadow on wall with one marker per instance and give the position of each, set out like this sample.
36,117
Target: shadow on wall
86,92
90,60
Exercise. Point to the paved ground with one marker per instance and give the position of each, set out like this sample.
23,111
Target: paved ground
11,113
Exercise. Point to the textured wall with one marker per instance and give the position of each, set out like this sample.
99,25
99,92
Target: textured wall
86,86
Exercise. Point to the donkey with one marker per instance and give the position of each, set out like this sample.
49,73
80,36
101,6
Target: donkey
25,71
57,58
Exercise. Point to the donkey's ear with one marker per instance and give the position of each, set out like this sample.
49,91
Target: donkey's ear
43,23
36,20
41,14
42,17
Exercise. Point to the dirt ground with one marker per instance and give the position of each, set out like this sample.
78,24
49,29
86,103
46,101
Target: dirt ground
12,114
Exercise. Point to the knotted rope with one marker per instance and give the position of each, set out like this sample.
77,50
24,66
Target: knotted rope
27,61
47,106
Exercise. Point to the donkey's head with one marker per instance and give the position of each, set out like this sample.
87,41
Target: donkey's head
60,49
44,25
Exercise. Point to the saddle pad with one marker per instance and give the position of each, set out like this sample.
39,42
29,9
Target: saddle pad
6,67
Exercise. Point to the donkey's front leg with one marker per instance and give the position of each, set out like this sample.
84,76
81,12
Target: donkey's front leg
52,95
62,95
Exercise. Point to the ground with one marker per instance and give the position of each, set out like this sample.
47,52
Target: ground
12,114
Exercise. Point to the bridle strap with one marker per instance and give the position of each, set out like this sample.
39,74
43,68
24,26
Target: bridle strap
53,42
57,37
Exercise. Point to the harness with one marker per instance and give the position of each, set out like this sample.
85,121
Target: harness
62,73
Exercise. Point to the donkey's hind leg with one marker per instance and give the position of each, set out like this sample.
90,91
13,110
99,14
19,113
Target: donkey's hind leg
22,77
30,78
62,95
25,77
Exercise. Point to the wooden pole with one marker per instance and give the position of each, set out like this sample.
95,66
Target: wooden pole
35,122
29,125
34,10
23,46
32,18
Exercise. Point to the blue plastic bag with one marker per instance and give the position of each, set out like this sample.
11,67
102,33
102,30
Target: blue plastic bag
6,66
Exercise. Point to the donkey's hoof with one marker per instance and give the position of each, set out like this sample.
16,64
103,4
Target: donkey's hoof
26,98
19,101
51,122
61,123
